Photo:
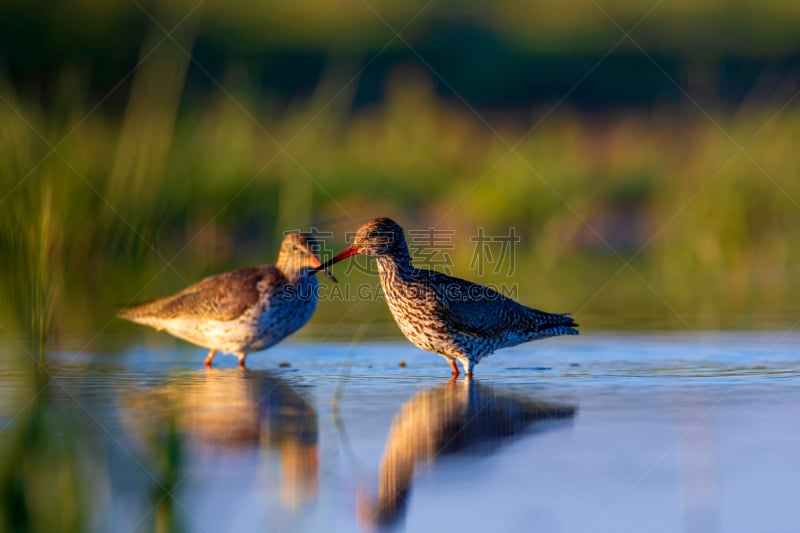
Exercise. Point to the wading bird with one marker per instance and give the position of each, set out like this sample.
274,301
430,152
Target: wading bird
241,311
457,319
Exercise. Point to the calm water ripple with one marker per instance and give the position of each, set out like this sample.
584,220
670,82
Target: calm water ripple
601,433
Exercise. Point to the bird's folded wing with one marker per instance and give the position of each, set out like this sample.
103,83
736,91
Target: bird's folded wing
221,297
477,309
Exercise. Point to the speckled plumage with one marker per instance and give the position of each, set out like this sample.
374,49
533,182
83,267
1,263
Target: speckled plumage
240,311
455,318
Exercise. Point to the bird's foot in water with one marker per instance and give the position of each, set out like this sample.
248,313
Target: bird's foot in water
454,367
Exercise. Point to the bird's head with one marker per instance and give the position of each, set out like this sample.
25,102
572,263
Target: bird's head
299,253
378,237
381,236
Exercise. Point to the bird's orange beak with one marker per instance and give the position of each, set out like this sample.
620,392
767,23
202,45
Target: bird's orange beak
344,254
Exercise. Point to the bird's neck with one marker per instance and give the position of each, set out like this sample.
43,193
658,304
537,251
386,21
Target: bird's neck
298,275
293,267
396,265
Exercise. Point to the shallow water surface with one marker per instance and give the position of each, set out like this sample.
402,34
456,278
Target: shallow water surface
595,433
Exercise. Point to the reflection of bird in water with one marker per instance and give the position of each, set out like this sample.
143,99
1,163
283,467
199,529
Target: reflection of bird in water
244,310
232,409
444,420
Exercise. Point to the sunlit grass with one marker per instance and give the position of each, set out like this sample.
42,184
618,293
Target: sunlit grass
634,220
43,480
631,214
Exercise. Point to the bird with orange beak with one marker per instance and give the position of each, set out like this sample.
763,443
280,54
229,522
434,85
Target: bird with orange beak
241,311
454,318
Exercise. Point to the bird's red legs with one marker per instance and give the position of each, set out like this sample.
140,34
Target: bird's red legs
210,357
454,367
241,361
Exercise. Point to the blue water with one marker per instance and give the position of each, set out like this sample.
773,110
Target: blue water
689,432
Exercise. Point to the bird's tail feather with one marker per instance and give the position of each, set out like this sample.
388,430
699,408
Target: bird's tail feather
558,330
554,324
136,312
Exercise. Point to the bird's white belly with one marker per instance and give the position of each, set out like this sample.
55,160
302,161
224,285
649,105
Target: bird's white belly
229,336
258,328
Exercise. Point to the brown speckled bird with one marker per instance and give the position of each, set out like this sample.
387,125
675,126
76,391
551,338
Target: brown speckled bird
241,311
448,316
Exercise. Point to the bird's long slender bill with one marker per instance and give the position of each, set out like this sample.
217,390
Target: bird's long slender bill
344,254
327,272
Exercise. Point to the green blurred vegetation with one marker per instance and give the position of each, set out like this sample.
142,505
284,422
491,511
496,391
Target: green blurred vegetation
632,216
61,465
719,26
705,230
661,192
43,475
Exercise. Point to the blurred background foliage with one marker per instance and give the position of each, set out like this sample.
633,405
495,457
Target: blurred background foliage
645,153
